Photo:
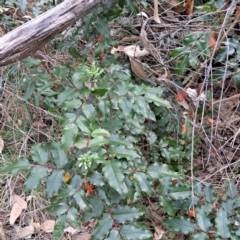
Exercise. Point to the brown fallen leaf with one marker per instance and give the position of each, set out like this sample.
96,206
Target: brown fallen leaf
155,14
2,232
39,124
83,236
19,205
138,69
130,39
71,230
26,232
48,226
1,145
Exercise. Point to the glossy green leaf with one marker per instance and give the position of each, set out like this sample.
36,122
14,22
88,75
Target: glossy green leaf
200,235
209,194
232,190
34,177
220,74
144,183
66,94
74,52
180,192
54,182
102,26
203,220
103,227
113,173
236,78
74,103
222,224
100,132
29,91
39,153
61,224
126,213
97,206
130,232
114,235
59,157
98,141
179,51
95,178
182,65
159,170
203,48
122,152
117,140
224,53
69,135
81,200
89,111
132,6
73,217
168,205
30,62
157,100
193,59
180,224
22,164
58,209
83,125
61,72
227,205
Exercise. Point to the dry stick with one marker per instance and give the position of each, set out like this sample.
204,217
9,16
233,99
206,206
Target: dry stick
226,99
200,70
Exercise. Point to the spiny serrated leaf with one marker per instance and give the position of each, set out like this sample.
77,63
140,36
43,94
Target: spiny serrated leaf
98,141
34,178
103,227
83,125
59,227
81,200
22,164
232,190
113,173
222,224
66,93
54,182
100,132
57,209
157,100
144,183
209,193
39,153
227,205
200,236
114,235
95,178
158,170
126,213
130,232
69,134
122,152
97,206
180,192
73,217
203,220
59,157
168,205
180,224
117,140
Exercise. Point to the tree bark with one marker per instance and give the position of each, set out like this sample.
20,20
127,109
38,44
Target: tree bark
31,36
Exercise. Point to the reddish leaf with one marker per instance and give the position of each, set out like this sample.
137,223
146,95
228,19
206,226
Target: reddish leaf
174,182
192,212
181,96
184,128
89,187
67,177
189,4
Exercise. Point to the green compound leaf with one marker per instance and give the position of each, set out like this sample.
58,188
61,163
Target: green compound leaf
97,206
232,190
198,236
168,205
209,194
57,209
81,200
126,213
54,182
157,171
98,141
34,178
113,173
95,178
222,224
180,192
22,164
66,93
73,217
130,232
39,153
117,140
103,227
59,157
203,220
114,235
180,224
69,134
144,183
122,152
100,132
157,100
59,227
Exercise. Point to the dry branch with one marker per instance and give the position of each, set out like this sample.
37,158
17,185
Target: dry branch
31,36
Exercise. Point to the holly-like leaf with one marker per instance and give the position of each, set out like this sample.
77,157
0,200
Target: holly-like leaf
168,205
54,182
34,178
39,153
209,193
198,236
66,93
130,232
117,140
57,209
69,134
81,200
180,192
114,235
122,152
103,227
203,220
61,72
95,178
232,190
222,224
100,132
22,164
180,224
83,125
144,183
157,100
59,157
98,141
73,217
113,173
97,206
126,213
158,170
59,227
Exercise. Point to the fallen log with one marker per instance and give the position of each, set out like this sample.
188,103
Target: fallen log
26,39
